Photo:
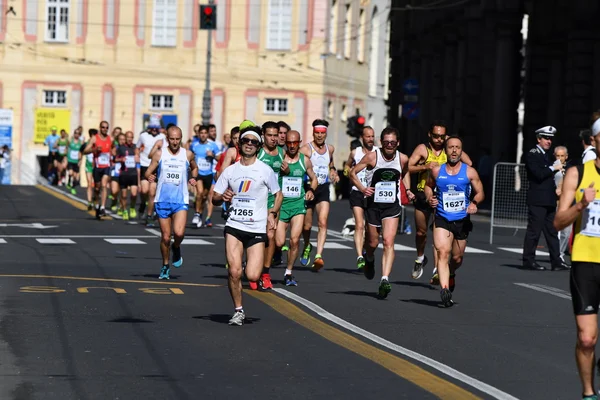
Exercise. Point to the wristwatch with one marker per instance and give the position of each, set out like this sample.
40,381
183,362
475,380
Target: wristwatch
274,213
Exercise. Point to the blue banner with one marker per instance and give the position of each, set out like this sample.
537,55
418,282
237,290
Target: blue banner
6,126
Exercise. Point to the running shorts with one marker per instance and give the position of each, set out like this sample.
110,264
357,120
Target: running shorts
73,167
165,210
206,180
126,181
99,173
585,287
375,215
321,194
460,228
248,239
357,199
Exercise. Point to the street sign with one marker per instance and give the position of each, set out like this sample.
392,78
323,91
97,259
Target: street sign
410,111
410,86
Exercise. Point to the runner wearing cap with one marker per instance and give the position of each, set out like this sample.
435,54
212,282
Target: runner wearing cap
321,156
246,184
541,201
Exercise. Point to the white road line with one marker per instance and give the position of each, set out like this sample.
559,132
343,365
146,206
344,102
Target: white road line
335,246
546,289
2,241
520,251
449,371
124,241
55,241
473,250
154,232
399,247
196,241
77,199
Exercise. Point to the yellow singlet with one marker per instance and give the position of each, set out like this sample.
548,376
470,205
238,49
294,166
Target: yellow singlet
587,225
431,157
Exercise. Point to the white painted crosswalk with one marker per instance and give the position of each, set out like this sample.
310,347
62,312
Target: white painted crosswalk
519,250
124,241
54,241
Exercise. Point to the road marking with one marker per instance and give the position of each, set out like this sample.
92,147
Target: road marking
2,241
81,278
449,371
398,247
196,241
67,198
546,289
333,246
124,241
154,232
520,251
54,241
405,369
477,251
79,236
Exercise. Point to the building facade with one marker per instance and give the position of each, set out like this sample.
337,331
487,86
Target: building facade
67,63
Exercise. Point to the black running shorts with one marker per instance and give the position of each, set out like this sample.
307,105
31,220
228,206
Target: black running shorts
321,194
126,181
357,199
99,173
421,203
585,287
375,215
460,228
248,239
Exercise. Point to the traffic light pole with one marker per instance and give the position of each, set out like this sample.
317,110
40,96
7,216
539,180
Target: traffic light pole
206,98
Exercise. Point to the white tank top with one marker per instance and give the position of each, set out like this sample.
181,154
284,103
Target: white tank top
386,181
172,186
320,163
365,175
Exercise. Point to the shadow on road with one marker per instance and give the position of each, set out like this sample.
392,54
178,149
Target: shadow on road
358,293
415,284
224,318
131,320
423,302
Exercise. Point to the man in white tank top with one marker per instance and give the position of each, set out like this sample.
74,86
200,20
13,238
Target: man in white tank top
388,166
321,157
358,201
172,165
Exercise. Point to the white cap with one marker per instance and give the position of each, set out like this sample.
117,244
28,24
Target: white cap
596,127
546,131
154,121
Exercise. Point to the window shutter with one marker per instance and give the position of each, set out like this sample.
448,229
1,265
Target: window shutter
158,23
171,23
285,27
273,25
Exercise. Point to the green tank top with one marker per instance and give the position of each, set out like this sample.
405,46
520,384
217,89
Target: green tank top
73,153
272,161
62,146
292,184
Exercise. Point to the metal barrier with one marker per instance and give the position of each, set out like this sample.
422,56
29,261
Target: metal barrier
509,197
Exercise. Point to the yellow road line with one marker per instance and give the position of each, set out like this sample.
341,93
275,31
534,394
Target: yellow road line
426,380
68,200
80,278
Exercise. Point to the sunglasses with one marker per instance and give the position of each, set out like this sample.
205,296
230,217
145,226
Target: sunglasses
390,143
292,143
253,142
436,136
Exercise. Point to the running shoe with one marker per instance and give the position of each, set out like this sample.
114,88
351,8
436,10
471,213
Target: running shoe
90,206
318,264
360,262
97,212
113,207
253,285
265,282
238,318
305,259
177,259
452,282
369,268
196,219
208,223
418,268
73,191
384,288
289,280
119,211
446,296
125,215
590,397
132,213
435,278
164,272
285,248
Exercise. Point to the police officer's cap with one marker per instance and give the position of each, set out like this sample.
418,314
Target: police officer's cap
547,131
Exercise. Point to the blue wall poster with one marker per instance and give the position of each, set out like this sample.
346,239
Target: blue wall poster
165,120
6,126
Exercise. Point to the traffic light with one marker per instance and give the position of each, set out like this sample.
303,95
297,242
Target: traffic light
208,17
355,126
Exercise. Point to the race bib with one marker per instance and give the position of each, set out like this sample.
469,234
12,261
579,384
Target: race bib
62,149
385,192
292,187
203,164
90,158
590,220
362,177
243,209
173,174
130,162
321,172
453,201
104,159
74,154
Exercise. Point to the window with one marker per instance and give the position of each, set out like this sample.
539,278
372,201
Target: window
164,26
348,33
55,98
279,30
57,25
276,106
161,102
344,114
362,33
333,23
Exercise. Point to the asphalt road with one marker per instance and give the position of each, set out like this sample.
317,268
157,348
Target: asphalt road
84,317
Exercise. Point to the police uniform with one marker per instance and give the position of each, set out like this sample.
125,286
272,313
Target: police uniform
541,204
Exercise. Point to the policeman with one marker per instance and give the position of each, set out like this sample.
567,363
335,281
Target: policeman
541,201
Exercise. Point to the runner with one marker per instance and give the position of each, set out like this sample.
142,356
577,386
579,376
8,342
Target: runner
272,155
294,196
145,144
423,159
212,137
387,167
283,128
453,183
100,145
115,172
171,166
247,184
358,202
60,162
73,158
51,141
205,152
321,156
580,204
128,156
89,170
232,155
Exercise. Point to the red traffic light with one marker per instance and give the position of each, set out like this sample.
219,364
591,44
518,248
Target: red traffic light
361,120
208,10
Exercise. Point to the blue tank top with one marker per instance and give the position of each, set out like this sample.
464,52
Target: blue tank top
453,193
204,163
